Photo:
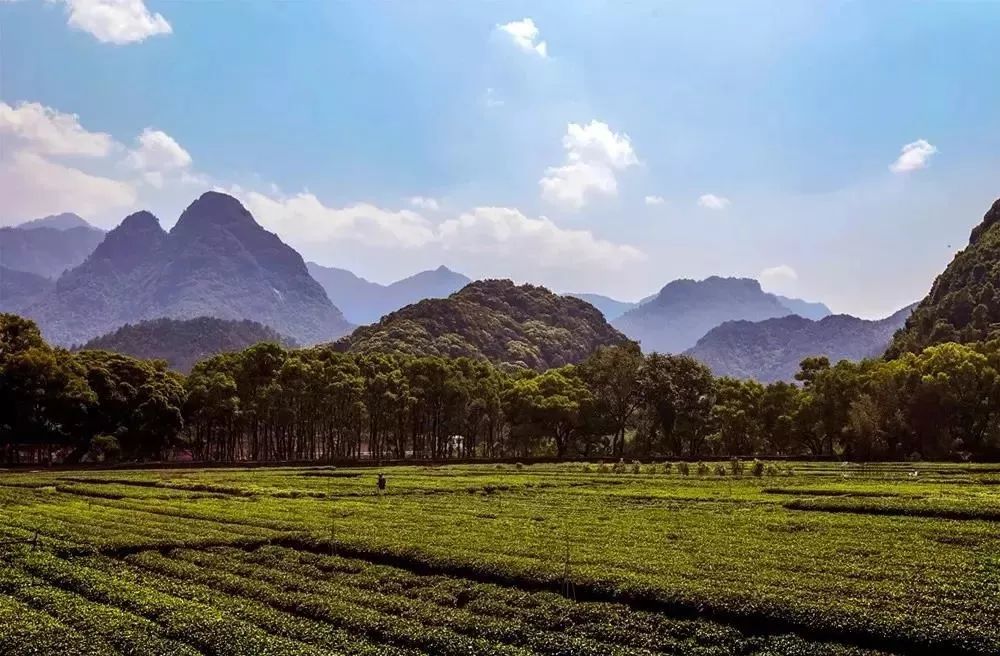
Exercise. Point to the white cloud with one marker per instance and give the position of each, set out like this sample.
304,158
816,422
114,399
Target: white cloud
116,21
495,238
157,151
46,131
780,278
425,203
654,200
31,185
524,33
304,218
593,154
507,233
913,156
713,202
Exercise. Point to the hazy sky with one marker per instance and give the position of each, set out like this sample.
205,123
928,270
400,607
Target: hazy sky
838,151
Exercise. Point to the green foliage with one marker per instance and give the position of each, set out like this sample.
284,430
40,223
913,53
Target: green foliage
963,304
494,320
183,342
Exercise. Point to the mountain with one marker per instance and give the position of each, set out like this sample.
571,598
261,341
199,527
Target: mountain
216,261
684,310
495,320
611,308
45,250
963,304
183,342
363,301
772,349
806,309
64,221
19,289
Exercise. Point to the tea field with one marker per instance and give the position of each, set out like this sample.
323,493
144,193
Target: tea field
806,558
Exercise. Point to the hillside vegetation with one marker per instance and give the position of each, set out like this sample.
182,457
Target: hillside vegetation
183,342
494,320
772,349
963,304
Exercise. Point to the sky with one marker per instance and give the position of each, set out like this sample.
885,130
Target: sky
836,151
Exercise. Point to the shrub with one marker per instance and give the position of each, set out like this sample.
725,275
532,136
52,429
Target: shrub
757,469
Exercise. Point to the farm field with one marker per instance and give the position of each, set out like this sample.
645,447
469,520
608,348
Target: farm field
808,558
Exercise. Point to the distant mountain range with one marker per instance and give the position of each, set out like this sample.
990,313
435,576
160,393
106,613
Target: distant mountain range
216,261
496,320
183,342
772,349
364,302
48,246
682,312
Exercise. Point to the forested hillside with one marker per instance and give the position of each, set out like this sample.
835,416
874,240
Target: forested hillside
495,320
19,289
963,304
216,261
772,349
183,342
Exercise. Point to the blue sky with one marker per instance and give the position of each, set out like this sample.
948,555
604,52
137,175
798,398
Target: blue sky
643,142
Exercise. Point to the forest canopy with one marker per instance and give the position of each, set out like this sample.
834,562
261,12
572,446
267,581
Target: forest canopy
270,403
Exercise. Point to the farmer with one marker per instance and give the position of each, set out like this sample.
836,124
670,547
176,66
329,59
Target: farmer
381,483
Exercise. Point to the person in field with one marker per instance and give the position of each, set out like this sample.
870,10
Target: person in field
381,483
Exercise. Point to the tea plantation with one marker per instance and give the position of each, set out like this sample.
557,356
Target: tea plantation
789,559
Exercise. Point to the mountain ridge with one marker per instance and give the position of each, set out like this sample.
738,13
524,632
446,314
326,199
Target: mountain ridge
215,261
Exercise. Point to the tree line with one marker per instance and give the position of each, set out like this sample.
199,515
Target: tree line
268,403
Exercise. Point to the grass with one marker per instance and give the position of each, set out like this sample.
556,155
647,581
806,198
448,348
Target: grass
821,558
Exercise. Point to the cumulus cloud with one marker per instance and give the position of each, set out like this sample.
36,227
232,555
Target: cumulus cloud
490,238
654,200
524,34
157,151
594,153
304,218
425,203
116,21
507,233
31,185
778,278
34,180
713,202
913,156
46,131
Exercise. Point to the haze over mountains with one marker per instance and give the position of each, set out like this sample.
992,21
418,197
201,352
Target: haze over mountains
48,246
364,302
216,261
